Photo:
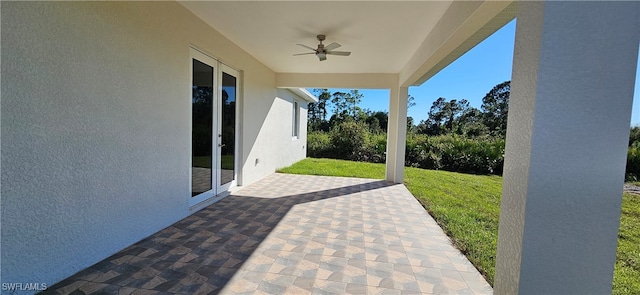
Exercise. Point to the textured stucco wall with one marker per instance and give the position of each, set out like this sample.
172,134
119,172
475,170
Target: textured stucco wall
95,128
283,108
273,146
567,136
397,135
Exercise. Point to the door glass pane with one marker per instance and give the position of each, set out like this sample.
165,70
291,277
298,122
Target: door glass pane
228,104
201,128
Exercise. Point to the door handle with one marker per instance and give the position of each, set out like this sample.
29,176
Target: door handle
221,145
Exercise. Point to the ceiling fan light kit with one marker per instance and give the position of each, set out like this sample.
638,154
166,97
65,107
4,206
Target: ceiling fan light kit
322,51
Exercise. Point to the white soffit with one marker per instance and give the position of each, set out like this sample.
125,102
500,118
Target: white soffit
382,35
304,94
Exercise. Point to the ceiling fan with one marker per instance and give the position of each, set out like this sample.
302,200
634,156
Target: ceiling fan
322,51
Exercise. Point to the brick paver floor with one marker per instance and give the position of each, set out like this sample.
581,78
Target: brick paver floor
292,234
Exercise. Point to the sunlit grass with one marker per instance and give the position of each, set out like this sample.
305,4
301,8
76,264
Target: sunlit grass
467,207
626,278
330,167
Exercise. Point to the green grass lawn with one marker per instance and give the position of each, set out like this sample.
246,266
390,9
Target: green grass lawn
626,277
330,167
467,207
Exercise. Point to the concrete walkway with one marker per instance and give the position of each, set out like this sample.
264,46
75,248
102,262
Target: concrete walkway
293,234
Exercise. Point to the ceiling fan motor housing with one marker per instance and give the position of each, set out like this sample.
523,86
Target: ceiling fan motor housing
321,52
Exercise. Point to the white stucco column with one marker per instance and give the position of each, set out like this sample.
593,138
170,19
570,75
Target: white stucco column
396,134
569,114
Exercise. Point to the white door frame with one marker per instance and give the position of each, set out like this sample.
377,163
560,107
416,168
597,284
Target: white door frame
223,68
217,190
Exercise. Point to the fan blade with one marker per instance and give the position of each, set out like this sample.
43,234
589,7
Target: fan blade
343,53
304,53
305,46
332,46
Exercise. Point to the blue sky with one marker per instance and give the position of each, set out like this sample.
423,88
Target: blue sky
470,77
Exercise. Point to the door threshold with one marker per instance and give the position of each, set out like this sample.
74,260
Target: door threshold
207,202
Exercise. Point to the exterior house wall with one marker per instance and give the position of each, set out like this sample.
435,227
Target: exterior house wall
297,147
274,146
95,128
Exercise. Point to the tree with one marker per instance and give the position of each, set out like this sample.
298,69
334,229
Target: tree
411,128
634,135
346,103
495,106
471,124
377,121
345,106
340,104
444,116
317,111
354,97
411,102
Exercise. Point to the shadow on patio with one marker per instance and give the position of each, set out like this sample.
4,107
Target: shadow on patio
292,234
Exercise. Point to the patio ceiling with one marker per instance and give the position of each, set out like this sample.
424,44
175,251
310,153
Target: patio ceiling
409,38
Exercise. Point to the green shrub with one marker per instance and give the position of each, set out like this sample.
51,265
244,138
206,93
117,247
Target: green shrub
376,147
348,139
633,162
634,135
455,153
319,145
418,153
351,140
477,156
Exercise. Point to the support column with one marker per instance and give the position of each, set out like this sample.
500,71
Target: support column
569,116
396,134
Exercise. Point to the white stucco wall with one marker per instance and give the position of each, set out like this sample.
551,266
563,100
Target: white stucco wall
95,128
566,146
273,146
297,147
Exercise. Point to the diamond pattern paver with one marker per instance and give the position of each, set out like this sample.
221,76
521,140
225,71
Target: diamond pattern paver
292,234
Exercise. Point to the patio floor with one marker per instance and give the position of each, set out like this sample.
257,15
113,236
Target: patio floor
292,234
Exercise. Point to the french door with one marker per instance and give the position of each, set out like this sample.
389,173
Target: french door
214,93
